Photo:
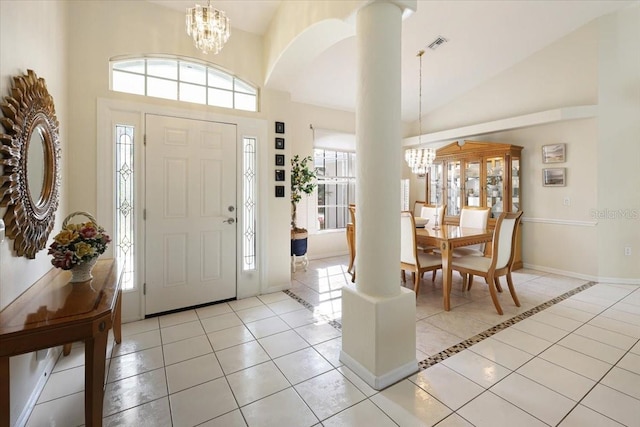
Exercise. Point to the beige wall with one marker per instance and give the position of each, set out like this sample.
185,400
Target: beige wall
557,237
596,64
45,52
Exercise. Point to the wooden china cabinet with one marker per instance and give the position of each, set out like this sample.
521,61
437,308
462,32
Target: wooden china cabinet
477,173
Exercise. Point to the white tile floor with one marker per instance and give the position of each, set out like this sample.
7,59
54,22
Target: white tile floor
271,361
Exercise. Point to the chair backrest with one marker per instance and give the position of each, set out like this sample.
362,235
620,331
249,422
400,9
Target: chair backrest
504,238
429,211
352,213
474,217
408,251
417,208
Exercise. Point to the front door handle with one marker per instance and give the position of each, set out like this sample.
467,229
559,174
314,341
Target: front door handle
230,221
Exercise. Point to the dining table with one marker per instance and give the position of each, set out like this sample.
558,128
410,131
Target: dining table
446,238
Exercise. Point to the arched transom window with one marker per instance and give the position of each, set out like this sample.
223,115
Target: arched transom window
182,80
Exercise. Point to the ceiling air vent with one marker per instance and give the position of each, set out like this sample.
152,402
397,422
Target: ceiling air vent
437,42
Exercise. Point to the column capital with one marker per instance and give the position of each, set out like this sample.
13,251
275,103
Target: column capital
406,6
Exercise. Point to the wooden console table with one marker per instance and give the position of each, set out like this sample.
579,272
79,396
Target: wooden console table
55,312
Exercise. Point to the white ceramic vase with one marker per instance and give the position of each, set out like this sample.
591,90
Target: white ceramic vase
82,272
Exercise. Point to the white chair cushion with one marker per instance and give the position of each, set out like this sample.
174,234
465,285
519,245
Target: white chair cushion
478,263
467,251
429,260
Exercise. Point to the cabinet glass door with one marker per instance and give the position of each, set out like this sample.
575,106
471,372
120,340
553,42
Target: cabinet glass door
495,185
435,184
472,183
515,184
453,188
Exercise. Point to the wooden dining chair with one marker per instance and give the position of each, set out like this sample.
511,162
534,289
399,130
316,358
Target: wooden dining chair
473,217
417,208
411,259
500,262
351,242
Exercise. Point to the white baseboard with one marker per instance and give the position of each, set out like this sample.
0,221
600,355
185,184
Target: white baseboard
316,256
50,362
382,381
597,279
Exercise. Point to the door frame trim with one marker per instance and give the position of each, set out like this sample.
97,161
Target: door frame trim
248,283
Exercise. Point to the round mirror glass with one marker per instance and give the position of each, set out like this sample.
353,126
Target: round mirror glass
36,152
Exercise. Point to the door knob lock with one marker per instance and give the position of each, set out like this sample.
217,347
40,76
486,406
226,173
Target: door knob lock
230,221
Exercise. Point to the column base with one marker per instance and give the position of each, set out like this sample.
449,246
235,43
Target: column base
379,336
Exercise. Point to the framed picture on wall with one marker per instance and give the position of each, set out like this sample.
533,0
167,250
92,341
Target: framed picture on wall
279,159
279,127
279,143
279,190
553,153
279,174
554,177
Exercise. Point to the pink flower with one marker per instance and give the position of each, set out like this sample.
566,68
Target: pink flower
88,232
63,260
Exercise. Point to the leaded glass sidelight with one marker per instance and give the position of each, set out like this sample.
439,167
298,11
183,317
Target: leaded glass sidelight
249,204
124,235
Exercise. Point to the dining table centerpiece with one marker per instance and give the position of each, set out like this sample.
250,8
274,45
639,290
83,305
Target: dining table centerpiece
77,247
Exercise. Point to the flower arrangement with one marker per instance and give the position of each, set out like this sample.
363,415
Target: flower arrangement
78,243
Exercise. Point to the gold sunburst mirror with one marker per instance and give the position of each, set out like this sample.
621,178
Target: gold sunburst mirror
30,161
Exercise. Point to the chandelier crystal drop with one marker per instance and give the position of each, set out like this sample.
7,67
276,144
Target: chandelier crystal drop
420,159
209,28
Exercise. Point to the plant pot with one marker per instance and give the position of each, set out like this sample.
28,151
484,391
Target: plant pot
299,242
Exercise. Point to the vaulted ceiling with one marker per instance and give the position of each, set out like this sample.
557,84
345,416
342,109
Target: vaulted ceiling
484,38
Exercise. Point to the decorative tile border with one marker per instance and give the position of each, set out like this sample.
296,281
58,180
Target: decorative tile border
310,306
451,351
439,357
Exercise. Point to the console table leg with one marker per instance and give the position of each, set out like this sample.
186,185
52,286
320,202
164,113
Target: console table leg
5,413
94,359
117,319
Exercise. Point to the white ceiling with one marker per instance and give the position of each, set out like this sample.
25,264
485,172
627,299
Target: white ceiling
484,38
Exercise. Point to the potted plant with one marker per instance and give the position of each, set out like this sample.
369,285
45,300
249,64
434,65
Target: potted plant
302,182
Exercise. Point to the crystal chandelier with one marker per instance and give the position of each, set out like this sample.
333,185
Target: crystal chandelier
419,159
209,28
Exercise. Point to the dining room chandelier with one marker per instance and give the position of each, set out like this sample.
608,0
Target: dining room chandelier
421,158
209,28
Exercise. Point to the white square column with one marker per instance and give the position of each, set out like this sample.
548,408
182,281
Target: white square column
379,336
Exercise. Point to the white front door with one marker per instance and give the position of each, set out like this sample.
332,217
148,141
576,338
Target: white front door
190,225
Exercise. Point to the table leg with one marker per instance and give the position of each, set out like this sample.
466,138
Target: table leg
117,320
445,248
5,406
94,359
